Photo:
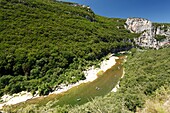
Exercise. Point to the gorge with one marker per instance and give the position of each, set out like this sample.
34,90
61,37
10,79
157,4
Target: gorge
49,47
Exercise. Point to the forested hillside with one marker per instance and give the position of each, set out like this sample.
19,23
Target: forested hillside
44,43
147,77
145,88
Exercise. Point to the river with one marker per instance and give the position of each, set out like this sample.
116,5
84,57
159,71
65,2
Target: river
84,92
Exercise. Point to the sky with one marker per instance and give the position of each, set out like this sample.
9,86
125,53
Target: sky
154,10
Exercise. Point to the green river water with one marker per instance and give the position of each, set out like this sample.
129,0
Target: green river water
84,92
99,87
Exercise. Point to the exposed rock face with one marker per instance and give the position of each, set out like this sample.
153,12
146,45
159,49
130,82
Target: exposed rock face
138,25
149,32
163,30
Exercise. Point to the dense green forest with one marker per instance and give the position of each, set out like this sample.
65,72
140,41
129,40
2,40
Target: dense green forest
44,43
147,77
145,88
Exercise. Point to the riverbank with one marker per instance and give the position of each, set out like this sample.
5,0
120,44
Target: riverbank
118,86
91,75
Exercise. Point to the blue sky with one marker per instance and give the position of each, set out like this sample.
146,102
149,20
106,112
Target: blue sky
154,10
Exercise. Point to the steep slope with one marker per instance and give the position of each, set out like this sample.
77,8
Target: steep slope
44,43
153,35
147,79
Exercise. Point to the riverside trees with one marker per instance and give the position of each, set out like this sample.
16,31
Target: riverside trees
44,43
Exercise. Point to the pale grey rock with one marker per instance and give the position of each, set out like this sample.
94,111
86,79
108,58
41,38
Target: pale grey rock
148,33
138,25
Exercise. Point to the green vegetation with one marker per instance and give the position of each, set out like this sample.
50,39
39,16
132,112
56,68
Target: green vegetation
146,73
160,37
147,79
77,95
163,26
44,43
159,103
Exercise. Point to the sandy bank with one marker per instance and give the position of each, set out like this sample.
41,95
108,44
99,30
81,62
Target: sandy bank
15,98
117,86
91,75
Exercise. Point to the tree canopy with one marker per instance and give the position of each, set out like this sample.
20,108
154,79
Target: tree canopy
47,42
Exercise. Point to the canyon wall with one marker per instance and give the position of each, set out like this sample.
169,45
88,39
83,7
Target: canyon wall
152,35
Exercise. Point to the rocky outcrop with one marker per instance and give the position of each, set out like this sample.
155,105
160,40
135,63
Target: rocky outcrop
152,36
162,30
138,25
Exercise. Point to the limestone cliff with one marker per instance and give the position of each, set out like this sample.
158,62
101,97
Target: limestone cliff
152,35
